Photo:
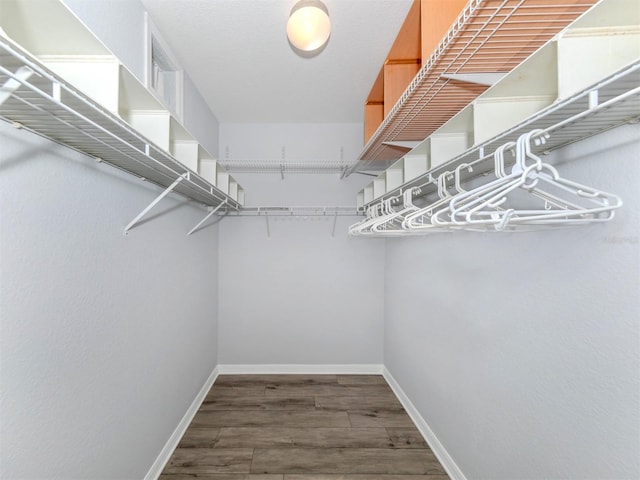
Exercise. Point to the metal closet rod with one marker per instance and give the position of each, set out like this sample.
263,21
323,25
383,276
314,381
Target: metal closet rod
300,211
482,208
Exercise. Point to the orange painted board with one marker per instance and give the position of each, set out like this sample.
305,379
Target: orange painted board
397,77
407,45
377,91
373,116
437,18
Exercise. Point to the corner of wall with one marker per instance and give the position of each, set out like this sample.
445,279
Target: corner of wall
173,441
437,448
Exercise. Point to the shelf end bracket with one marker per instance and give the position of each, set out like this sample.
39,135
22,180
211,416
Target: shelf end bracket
209,215
12,84
480,78
154,203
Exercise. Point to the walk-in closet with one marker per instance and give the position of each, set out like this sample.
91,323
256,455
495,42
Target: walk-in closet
319,239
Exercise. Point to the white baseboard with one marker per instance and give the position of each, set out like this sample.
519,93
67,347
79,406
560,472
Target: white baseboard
165,454
438,449
356,369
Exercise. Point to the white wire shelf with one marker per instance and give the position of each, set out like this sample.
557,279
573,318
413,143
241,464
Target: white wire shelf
489,36
610,103
43,103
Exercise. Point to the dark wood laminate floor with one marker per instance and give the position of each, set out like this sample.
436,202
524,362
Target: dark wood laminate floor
302,427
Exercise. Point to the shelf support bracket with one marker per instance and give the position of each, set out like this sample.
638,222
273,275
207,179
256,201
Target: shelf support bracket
12,84
168,190
480,78
335,219
282,157
266,217
209,215
403,144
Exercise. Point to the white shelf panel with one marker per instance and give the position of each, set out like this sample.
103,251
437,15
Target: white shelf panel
395,175
207,166
417,163
222,182
368,193
97,76
47,106
379,186
47,27
241,196
609,49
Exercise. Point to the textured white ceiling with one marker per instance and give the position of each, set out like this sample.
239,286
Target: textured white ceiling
237,54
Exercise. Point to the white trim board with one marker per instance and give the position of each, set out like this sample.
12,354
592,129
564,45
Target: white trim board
356,369
166,452
438,449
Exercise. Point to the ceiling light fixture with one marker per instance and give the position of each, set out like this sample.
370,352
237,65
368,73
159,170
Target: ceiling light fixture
309,27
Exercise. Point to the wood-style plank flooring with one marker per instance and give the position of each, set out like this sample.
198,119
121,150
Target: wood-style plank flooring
302,427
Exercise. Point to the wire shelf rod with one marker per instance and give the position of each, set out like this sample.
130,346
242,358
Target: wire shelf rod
80,124
567,121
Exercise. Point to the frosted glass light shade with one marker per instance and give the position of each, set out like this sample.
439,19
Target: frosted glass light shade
309,27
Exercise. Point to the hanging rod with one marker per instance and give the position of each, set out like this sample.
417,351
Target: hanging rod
486,206
302,211
282,168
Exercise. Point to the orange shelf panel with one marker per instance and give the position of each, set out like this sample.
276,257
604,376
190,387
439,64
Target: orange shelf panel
436,19
397,76
373,117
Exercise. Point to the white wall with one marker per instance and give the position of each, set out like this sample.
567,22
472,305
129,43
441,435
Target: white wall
105,339
119,25
521,351
198,119
299,296
302,142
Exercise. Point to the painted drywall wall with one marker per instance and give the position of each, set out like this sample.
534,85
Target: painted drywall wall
105,339
300,295
287,143
119,25
198,119
521,351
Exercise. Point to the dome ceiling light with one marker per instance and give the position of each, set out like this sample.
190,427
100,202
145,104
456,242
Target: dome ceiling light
309,27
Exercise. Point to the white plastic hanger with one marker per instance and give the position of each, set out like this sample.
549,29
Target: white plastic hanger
420,220
578,203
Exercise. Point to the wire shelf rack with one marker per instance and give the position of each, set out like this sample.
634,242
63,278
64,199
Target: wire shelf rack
610,103
489,36
34,98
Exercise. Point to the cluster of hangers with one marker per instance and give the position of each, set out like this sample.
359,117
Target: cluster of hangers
531,196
